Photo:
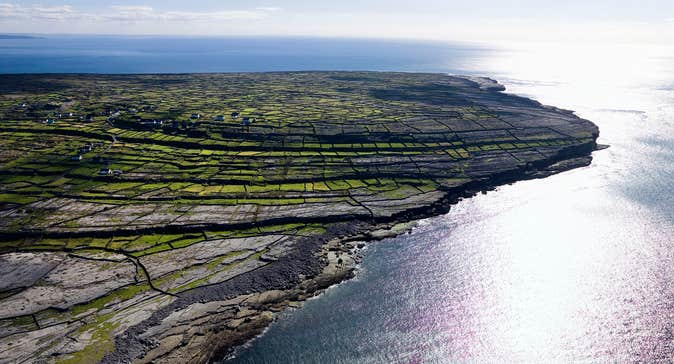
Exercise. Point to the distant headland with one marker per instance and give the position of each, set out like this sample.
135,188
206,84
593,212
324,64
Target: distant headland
14,36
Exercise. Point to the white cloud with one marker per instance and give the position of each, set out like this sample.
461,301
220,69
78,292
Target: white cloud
147,13
268,8
139,13
53,13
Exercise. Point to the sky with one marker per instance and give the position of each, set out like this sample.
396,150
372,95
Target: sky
636,21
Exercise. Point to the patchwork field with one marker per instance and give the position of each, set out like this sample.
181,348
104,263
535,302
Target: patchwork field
162,217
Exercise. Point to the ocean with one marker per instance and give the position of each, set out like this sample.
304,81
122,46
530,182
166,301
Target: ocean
152,54
577,267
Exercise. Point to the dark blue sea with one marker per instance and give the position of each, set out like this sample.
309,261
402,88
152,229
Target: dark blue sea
114,54
577,267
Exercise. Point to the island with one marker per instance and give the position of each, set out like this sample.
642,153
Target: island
167,218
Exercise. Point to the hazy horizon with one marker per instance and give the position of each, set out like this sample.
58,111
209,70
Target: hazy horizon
481,21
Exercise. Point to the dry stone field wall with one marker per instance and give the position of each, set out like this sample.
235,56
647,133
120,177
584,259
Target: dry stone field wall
122,195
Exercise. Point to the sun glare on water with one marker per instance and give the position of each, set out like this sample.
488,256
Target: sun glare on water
577,267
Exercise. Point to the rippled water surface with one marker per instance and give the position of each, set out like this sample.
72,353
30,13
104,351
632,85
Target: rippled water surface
156,54
576,267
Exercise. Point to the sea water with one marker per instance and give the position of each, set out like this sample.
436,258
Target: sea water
154,54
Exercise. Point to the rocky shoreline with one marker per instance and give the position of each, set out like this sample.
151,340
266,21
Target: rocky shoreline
179,241
314,266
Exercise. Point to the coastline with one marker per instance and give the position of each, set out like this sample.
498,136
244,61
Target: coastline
245,325
237,258
336,273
